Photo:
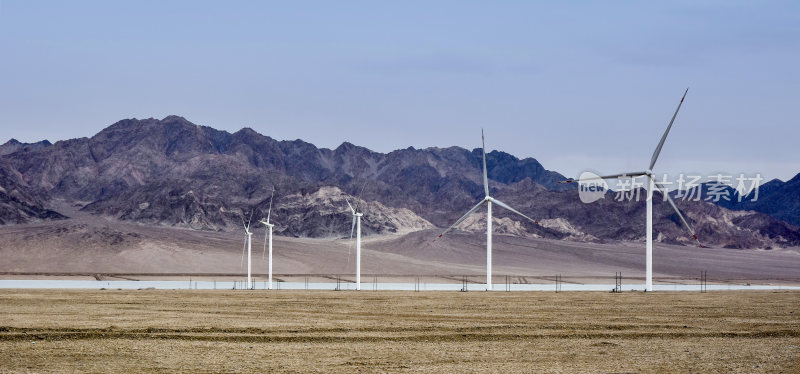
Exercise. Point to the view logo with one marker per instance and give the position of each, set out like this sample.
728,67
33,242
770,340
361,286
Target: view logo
591,188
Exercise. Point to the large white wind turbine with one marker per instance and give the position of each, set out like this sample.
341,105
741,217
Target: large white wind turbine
357,226
488,200
268,236
652,184
249,236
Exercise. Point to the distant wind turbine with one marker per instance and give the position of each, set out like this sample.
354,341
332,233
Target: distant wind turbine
268,236
249,239
488,200
357,226
651,186
357,214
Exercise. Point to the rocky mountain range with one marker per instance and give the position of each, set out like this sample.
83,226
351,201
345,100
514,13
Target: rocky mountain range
175,173
19,203
775,198
15,145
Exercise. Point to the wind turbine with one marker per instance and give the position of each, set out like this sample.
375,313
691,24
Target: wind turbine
488,200
249,250
268,234
357,226
652,184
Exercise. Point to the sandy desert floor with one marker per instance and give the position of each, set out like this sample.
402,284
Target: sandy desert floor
94,248
327,331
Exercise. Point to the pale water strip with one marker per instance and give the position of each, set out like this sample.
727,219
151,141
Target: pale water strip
260,285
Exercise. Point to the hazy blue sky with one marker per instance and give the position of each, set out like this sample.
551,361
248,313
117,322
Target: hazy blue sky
574,84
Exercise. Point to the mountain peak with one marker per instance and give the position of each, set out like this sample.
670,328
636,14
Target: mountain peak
246,131
174,118
15,145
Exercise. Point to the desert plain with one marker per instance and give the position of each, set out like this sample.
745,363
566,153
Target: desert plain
391,331
47,330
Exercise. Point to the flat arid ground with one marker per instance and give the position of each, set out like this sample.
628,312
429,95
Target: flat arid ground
327,331
91,247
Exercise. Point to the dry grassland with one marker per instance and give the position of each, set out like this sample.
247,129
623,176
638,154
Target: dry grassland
326,331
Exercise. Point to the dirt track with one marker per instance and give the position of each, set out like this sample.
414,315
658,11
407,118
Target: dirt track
322,331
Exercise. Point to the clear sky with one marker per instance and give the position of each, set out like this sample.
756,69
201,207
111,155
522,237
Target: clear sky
574,84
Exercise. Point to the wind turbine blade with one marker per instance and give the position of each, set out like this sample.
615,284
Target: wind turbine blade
504,205
350,245
358,197
266,234
664,137
613,176
250,220
675,207
269,212
485,175
243,224
244,246
350,206
462,218
349,248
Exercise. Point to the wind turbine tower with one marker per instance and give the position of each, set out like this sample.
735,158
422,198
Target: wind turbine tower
249,251
488,200
357,214
651,186
268,237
